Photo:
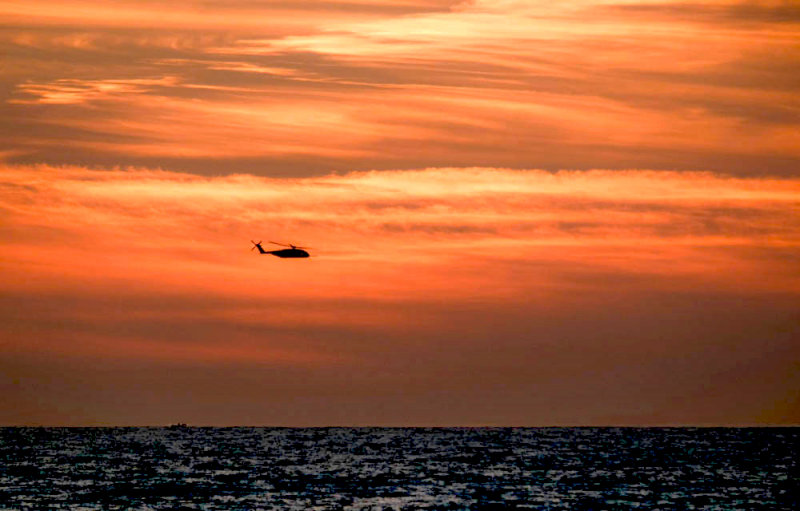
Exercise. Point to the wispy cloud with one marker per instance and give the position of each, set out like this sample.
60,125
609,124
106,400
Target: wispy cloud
65,91
643,223
414,275
329,86
583,296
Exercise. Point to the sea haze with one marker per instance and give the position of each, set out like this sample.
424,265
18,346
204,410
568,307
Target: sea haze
399,468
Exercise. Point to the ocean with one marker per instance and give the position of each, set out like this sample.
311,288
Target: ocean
399,468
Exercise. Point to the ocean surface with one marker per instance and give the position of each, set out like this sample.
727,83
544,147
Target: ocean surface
399,468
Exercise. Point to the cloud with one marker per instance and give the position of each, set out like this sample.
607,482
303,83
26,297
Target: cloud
64,92
460,296
368,86
170,252
458,290
737,13
216,16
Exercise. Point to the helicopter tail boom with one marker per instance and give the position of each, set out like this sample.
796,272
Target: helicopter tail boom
258,246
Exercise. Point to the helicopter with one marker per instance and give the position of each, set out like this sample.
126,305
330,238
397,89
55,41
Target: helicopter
292,252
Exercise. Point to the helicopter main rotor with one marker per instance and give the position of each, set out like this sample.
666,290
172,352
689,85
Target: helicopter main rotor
289,245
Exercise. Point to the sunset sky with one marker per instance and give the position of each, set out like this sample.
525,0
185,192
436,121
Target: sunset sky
519,212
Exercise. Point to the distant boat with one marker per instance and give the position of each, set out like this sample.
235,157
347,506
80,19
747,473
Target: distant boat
180,425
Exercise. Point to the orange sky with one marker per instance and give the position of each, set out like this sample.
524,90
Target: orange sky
459,276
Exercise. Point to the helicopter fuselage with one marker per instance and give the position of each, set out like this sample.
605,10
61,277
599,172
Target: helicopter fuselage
287,252
293,252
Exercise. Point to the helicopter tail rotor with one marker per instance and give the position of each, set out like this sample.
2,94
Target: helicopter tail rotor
255,245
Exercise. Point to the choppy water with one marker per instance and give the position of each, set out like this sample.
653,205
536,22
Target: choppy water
398,468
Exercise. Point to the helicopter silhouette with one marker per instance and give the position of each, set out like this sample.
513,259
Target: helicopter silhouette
291,252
